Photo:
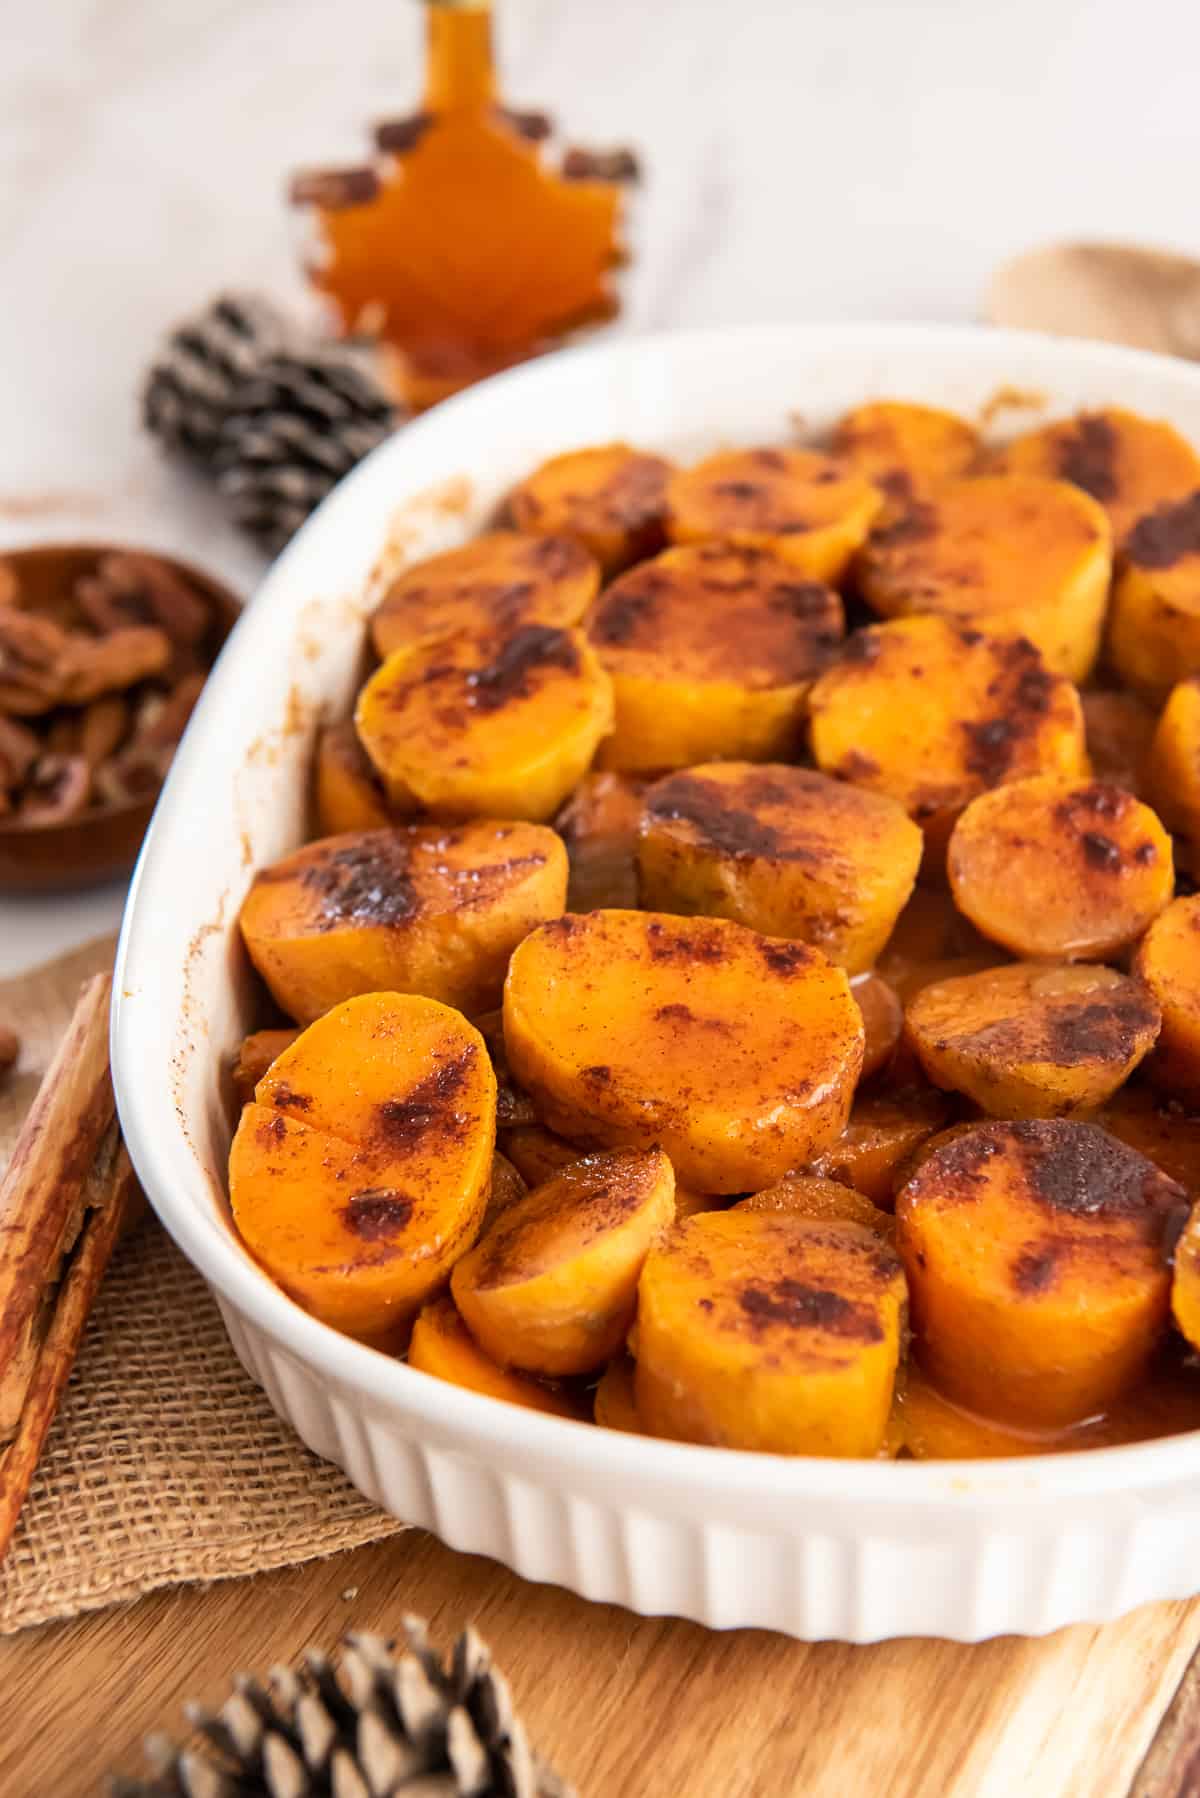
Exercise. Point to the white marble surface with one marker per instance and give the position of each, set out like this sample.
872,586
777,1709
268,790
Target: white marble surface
856,158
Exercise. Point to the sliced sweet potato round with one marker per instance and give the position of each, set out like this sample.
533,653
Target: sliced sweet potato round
433,909
1009,554
824,1201
783,850
599,826
442,1345
883,1021
1173,774
1119,729
1168,961
1185,1279
1158,1128
1036,1263
501,727
805,507
610,498
349,794
254,1057
615,1407
760,1330
496,584
506,1187
933,712
551,1287
1033,1039
883,1131
711,650
1154,624
1049,867
737,1053
361,1172
905,449
1127,463
537,1153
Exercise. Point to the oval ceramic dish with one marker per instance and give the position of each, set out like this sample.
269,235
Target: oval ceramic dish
849,1549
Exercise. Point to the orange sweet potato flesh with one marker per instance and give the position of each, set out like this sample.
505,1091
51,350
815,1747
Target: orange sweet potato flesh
1119,729
783,850
442,1345
500,581
933,712
614,1404
1158,1128
1129,463
599,826
537,1153
1033,1039
254,1057
1168,961
883,1020
349,794
711,650
803,505
361,1172
433,909
824,1201
1048,867
551,1287
884,1129
499,726
763,1330
610,498
736,1053
905,449
1185,1280
1036,1256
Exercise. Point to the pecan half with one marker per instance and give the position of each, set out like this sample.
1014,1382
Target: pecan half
162,718
102,728
34,657
10,1048
97,665
57,789
19,750
135,772
131,588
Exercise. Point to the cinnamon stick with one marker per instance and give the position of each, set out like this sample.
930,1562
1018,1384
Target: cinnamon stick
42,1195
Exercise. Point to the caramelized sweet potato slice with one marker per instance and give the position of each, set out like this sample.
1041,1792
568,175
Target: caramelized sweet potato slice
783,850
506,1186
883,1020
1037,1268
1168,961
1154,623
537,1153
1173,774
1185,1279
502,726
932,712
254,1057
823,1201
1049,867
1129,464
497,583
1034,1039
802,505
599,825
1009,554
551,1287
711,650
736,1053
361,1172
610,498
760,1330
1158,1128
348,793
905,449
1119,728
433,909
883,1131
615,1407
442,1345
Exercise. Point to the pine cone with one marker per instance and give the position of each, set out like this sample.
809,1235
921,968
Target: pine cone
378,1726
301,424
203,370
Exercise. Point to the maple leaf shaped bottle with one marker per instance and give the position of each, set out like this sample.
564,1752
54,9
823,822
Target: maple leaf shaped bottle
461,246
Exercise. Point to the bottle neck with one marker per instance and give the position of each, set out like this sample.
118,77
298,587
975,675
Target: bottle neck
460,70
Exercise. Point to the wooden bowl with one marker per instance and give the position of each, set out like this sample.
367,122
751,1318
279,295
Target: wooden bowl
102,842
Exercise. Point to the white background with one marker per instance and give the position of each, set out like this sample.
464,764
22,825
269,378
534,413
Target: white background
806,159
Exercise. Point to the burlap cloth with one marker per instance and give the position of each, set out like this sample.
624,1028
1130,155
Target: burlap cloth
165,1463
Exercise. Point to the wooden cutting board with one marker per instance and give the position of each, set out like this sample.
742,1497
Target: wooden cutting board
640,1708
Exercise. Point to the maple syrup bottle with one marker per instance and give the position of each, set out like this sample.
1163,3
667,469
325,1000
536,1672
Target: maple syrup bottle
461,247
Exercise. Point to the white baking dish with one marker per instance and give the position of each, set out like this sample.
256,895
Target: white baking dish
856,1550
